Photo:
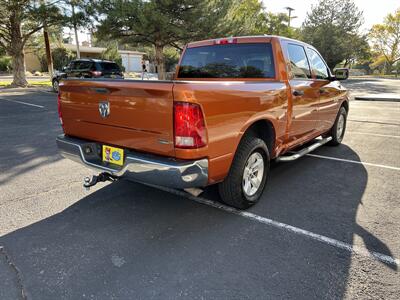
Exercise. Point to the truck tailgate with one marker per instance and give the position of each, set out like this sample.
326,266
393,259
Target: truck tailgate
140,113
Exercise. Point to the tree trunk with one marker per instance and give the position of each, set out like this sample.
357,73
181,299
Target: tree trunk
18,65
160,61
78,52
17,52
388,68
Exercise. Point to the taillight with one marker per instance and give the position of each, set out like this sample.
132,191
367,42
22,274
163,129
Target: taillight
59,109
96,73
189,126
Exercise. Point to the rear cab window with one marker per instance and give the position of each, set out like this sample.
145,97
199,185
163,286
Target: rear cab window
241,60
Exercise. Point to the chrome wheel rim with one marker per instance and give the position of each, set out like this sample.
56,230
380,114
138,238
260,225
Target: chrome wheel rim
340,127
55,86
253,174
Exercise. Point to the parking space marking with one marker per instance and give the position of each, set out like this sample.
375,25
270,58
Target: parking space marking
20,102
359,250
376,122
354,161
375,134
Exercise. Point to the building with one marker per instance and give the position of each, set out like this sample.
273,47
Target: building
131,60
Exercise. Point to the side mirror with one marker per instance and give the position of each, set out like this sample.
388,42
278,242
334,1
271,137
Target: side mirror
64,69
341,74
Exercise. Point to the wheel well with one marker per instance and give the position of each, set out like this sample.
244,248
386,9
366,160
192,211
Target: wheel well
264,130
346,106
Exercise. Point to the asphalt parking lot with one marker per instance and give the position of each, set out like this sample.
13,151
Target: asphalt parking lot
328,226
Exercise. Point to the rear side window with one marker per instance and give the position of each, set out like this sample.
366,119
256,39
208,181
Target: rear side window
84,65
108,66
228,61
298,61
317,64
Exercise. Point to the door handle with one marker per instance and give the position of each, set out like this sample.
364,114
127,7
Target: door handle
298,93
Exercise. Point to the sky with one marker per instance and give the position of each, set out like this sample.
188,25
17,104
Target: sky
374,10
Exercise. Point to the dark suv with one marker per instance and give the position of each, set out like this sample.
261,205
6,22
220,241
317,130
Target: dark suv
88,68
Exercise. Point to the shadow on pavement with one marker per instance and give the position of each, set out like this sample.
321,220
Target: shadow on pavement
368,86
130,241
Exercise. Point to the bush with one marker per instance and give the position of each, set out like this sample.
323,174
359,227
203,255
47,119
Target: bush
61,57
5,64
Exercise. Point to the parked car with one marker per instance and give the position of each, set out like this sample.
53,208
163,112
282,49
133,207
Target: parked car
88,68
234,105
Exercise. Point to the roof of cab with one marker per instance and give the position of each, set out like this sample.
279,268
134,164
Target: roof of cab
242,39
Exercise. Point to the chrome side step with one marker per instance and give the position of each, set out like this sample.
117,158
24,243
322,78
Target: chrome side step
304,151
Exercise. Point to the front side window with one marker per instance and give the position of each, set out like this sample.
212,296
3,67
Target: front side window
228,61
317,64
73,65
298,61
84,65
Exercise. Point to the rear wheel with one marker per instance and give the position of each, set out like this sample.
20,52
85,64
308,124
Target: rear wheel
339,128
55,85
247,177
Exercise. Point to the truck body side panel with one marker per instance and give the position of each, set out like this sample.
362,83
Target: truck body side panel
229,109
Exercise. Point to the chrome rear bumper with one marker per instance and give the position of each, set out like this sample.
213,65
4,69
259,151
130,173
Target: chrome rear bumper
139,167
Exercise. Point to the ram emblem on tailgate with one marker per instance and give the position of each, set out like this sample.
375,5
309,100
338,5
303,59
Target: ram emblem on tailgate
104,109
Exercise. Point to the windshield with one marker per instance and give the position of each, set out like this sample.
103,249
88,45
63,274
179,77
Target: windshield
228,61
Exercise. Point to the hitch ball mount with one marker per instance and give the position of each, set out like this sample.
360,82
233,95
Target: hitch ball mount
102,177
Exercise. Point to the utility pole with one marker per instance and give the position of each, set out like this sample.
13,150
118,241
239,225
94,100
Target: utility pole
78,52
289,9
47,47
48,52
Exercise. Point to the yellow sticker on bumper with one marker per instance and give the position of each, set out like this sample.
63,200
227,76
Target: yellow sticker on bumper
113,155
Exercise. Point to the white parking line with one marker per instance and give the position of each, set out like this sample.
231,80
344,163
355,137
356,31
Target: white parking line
20,102
383,122
354,161
362,251
374,134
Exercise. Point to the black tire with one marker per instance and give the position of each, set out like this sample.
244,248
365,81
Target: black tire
231,189
337,136
55,85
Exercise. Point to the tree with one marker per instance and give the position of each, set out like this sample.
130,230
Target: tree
20,19
158,23
243,17
60,56
386,39
77,14
277,24
330,27
36,45
357,50
111,53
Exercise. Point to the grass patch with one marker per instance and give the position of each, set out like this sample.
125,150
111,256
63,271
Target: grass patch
30,83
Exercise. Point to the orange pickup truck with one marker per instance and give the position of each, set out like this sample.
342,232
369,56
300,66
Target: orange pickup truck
234,105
